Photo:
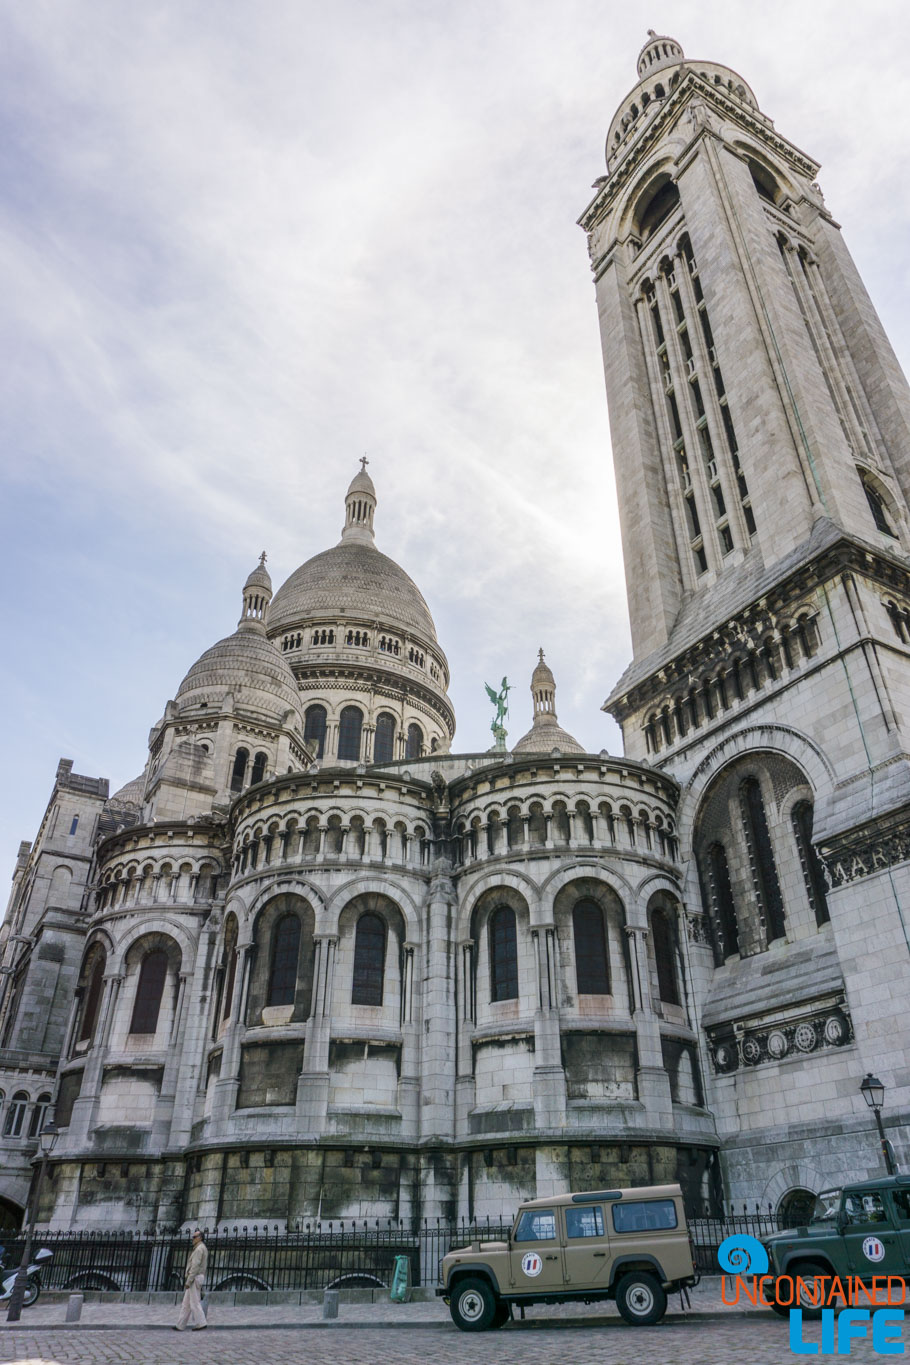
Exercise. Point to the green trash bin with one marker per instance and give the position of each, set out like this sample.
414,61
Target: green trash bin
401,1280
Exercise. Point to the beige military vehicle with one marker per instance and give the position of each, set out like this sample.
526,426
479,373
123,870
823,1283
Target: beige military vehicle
629,1245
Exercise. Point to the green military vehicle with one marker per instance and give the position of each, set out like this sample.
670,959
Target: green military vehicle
629,1245
860,1231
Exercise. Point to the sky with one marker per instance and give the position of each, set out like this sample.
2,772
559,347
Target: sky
243,243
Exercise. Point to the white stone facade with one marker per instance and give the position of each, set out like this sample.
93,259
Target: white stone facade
313,965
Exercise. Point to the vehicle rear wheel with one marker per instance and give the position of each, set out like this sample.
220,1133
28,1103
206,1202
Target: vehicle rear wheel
640,1298
32,1290
473,1305
817,1285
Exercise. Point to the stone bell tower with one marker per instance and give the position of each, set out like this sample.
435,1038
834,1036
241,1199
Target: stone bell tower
761,440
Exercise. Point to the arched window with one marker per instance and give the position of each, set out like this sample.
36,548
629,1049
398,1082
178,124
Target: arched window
239,772
813,874
314,729
152,975
259,763
723,906
349,728
503,954
877,508
592,970
761,858
415,742
383,745
92,1001
15,1115
285,952
369,961
665,957
657,210
39,1114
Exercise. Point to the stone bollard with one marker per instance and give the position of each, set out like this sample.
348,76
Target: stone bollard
74,1307
330,1303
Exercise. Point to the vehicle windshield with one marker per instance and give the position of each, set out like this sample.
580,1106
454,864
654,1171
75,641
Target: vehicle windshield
826,1207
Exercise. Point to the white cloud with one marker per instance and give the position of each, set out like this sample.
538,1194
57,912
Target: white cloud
244,243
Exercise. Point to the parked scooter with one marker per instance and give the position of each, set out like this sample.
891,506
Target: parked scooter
32,1284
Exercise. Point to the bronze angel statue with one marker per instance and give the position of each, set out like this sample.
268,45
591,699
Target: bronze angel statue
500,700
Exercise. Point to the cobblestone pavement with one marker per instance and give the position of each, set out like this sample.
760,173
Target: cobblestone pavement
384,1333
754,1339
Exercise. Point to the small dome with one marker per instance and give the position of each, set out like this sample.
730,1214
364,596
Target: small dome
247,664
542,677
543,738
546,734
131,794
260,577
361,482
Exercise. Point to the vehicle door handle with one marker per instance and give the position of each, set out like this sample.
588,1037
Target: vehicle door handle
598,1253
551,1258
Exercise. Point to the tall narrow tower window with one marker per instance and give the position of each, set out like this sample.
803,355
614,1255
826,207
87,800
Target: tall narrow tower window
285,952
877,508
811,864
349,729
415,742
259,763
720,899
503,954
152,976
239,771
314,729
761,858
383,746
592,970
369,961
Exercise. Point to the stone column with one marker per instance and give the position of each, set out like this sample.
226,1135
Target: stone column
653,1082
313,1082
83,1118
194,1037
227,1086
439,1011
465,1088
549,1077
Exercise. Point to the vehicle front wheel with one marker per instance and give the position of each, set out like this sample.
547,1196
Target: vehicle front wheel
32,1290
813,1294
473,1305
640,1298
502,1315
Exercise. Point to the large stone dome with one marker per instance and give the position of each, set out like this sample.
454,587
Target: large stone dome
352,580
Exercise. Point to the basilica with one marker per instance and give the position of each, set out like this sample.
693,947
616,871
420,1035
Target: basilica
313,962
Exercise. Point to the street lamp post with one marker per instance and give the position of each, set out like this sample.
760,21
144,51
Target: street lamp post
46,1139
873,1092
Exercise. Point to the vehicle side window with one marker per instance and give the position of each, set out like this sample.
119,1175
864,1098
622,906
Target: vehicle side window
536,1225
644,1215
901,1201
864,1208
585,1222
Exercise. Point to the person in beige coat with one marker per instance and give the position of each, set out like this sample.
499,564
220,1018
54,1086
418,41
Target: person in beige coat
193,1280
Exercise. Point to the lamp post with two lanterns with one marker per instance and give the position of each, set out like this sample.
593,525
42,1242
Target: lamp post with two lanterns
46,1140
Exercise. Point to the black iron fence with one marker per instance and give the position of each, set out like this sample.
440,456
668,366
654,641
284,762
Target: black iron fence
348,1254
708,1233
